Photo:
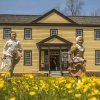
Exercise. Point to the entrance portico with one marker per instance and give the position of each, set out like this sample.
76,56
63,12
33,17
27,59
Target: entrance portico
53,56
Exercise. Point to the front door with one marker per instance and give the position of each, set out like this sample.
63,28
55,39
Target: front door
54,60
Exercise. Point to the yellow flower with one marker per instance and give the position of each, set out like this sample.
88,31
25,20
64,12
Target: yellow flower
1,83
3,74
55,86
26,87
84,79
14,89
93,98
68,86
35,87
85,89
70,91
79,86
95,92
29,75
32,93
98,82
77,95
41,81
61,80
41,73
89,95
89,84
14,82
8,74
72,81
13,98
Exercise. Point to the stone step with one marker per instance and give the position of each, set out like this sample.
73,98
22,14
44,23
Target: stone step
55,73
58,73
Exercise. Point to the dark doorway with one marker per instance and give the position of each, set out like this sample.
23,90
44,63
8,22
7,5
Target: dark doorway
54,63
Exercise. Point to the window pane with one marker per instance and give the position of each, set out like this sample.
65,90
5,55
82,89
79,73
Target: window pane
6,33
28,58
79,32
28,33
97,57
53,32
97,34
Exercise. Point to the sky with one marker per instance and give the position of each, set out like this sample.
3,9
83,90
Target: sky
39,7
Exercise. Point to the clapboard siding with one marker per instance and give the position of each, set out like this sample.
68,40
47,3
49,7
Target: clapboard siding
41,32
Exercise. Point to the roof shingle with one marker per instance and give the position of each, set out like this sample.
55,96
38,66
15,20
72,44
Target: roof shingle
17,18
87,20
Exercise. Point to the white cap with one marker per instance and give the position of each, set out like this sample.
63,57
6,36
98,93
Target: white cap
77,38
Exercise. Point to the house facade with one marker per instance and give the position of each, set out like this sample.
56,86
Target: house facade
47,39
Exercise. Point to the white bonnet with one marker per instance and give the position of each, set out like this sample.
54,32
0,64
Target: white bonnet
77,38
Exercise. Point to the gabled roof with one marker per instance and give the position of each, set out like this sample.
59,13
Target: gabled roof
53,10
86,20
43,42
26,20
7,18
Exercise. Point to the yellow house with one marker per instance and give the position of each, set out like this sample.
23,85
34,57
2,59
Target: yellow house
50,36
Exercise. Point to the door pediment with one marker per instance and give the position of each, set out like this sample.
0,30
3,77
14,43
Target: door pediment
54,41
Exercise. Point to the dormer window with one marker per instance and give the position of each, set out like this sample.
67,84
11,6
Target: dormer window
53,32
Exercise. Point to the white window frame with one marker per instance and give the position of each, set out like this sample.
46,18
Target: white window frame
6,33
28,57
27,33
97,34
97,57
53,32
79,32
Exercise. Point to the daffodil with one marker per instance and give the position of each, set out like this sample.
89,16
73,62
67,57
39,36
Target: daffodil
85,88
14,89
70,91
68,86
95,92
12,98
93,98
32,93
1,83
79,85
77,95
41,73
3,74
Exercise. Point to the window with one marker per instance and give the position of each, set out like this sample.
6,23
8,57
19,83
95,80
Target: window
6,33
53,32
97,34
28,57
97,56
79,32
27,33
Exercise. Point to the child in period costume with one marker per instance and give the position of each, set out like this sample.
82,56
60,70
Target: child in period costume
10,54
77,61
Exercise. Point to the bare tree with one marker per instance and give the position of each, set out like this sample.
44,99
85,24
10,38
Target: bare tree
95,13
73,7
